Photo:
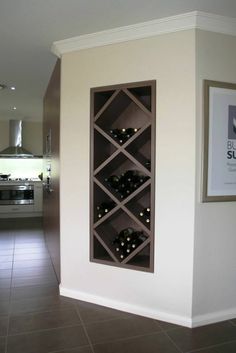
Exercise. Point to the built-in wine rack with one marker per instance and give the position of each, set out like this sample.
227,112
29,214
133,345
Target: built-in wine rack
123,175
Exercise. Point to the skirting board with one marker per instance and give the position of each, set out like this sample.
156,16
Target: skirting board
133,309
211,318
196,321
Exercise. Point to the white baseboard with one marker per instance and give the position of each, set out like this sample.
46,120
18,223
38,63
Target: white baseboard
196,321
211,318
133,309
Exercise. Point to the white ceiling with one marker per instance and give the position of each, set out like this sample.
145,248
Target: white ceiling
29,27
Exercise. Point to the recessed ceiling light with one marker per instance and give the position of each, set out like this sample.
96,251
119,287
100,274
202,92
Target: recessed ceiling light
14,108
13,88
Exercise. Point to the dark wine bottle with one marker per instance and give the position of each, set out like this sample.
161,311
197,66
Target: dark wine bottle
131,131
127,182
122,135
138,239
115,132
145,214
104,208
129,248
148,164
122,255
113,181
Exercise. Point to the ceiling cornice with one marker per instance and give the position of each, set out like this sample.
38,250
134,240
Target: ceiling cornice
186,21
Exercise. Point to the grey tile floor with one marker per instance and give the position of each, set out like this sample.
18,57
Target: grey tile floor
35,319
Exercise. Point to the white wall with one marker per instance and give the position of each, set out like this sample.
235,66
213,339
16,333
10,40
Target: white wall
214,294
169,59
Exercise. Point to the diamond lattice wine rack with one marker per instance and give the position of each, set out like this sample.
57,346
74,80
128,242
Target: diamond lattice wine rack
123,175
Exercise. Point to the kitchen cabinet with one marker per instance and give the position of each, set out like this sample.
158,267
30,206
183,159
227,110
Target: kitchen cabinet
14,209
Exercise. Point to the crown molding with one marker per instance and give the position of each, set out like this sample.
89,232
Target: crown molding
186,21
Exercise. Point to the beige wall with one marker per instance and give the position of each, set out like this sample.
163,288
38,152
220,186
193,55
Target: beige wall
32,136
170,60
215,223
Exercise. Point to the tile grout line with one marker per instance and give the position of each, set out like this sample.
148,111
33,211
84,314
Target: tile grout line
211,346
130,337
9,308
50,257
169,338
173,342
44,330
84,327
64,351
232,323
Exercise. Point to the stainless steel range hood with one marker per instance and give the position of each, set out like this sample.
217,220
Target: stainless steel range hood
15,149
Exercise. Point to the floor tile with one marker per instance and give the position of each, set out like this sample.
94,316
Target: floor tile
24,306
30,246
32,292
48,341
120,328
4,294
41,271
4,307
7,246
192,339
31,263
5,235
85,349
5,283
93,313
2,344
32,256
34,250
233,322
4,252
32,241
7,241
6,266
5,273
166,326
3,325
6,258
223,348
154,343
42,321
33,281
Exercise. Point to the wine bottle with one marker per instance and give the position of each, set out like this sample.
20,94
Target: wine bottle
138,239
114,133
104,208
145,213
129,248
113,181
122,255
148,164
122,135
127,182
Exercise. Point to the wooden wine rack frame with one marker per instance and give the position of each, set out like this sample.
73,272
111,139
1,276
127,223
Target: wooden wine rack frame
122,106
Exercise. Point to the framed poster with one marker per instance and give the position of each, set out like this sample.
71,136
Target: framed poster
219,169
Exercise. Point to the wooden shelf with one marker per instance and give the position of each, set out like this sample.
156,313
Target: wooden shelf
122,107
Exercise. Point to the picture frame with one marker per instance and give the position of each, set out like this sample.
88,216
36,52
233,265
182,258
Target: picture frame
219,157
